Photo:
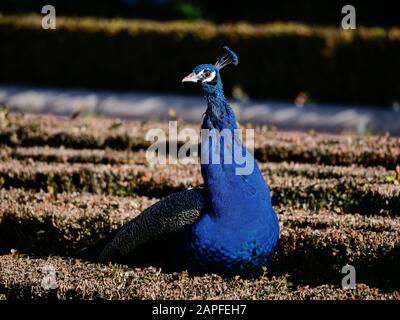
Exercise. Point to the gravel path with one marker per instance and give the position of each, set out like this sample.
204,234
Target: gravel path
155,106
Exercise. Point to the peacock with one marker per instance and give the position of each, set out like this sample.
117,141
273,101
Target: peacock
228,226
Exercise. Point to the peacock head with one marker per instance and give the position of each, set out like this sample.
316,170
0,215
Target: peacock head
208,75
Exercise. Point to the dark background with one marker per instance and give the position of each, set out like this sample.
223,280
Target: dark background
370,13
117,50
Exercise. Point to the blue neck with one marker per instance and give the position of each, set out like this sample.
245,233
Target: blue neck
218,176
219,114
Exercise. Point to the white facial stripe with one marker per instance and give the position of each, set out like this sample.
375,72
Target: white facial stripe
210,78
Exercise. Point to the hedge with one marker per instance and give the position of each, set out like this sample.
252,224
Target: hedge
112,157
270,145
309,252
277,60
82,280
345,194
308,11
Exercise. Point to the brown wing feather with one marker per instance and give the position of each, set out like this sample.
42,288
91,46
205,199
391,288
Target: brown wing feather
170,214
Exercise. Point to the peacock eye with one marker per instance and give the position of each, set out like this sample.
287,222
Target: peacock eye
207,73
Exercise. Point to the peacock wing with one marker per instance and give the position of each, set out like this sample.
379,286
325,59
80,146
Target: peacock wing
172,213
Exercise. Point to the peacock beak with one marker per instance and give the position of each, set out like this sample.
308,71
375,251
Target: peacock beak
193,77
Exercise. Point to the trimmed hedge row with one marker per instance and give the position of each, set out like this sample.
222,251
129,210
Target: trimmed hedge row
322,219
338,155
64,228
330,64
317,256
73,221
82,280
44,223
329,149
308,11
31,130
88,205
281,169
123,180
345,194
95,156
100,128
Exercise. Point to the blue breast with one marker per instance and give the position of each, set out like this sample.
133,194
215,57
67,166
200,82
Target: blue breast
238,230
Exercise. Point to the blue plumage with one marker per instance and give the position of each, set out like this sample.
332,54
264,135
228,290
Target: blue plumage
229,226
238,230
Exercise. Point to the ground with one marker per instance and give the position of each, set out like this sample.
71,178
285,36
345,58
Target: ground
65,183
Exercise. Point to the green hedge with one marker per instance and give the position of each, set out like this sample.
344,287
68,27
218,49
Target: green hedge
277,61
